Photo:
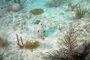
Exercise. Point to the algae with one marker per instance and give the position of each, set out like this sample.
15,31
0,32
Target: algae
37,11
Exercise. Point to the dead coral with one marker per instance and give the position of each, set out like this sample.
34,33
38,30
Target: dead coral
31,44
3,42
70,39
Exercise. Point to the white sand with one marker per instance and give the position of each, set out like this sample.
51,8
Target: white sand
22,23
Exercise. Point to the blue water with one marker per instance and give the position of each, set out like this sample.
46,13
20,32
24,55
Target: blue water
45,21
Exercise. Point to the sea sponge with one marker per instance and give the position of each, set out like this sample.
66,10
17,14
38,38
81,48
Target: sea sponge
16,7
37,11
31,44
18,42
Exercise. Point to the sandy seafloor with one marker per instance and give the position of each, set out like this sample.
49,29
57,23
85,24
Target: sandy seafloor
22,23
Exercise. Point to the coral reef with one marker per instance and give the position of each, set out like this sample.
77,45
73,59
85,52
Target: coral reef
71,51
31,44
28,44
18,25
37,11
18,43
80,13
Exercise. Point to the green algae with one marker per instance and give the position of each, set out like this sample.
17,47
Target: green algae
37,11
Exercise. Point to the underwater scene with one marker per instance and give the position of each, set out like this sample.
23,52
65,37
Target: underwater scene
44,29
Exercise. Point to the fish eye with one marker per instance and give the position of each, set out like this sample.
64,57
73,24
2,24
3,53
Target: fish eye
41,24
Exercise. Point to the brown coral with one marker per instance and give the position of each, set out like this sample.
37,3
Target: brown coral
28,44
31,45
80,13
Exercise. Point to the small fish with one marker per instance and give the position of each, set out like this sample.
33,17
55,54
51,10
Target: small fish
40,30
39,27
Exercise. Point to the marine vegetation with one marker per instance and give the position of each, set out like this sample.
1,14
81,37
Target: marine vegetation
28,44
3,42
18,43
80,13
73,7
72,50
31,44
37,11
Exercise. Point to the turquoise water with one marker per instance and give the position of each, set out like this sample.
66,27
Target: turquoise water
44,29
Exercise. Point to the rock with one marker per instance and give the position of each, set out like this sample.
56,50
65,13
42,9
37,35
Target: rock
16,7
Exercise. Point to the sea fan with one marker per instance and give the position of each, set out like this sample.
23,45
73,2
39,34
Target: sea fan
70,39
85,48
55,55
72,50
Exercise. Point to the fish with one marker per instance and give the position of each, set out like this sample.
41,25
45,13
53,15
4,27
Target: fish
39,27
40,30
